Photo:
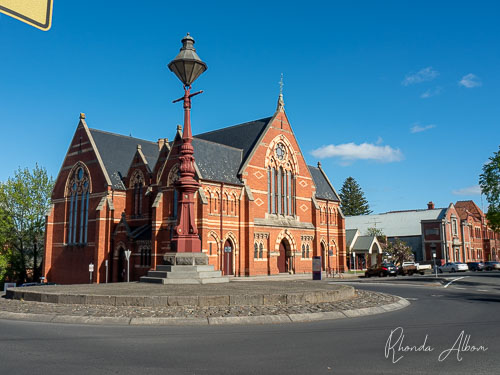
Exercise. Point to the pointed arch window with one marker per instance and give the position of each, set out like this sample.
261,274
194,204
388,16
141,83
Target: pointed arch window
256,250
303,251
137,186
79,192
261,251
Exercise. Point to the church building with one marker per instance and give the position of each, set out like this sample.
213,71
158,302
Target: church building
259,210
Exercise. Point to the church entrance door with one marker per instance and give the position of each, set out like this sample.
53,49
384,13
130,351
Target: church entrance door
122,264
283,258
227,265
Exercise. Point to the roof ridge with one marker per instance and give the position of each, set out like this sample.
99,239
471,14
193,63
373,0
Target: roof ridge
217,143
121,135
234,126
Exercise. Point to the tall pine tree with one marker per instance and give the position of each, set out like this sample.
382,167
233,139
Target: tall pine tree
353,199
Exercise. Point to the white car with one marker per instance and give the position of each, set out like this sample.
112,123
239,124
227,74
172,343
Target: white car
454,267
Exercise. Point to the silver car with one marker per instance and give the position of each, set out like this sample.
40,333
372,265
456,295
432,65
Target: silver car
453,267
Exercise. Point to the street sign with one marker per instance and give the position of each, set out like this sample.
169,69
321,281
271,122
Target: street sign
37,13
91,267
127,254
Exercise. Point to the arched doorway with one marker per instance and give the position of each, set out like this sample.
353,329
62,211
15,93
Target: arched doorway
122,265
284,260
324,254
227,265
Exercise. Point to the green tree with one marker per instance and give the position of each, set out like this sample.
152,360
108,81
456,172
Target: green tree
399,251
353,199
381,237
489,181
24,200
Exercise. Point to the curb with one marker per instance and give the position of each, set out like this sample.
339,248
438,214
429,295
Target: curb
229,320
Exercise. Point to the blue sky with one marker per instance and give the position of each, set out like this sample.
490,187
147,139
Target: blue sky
403,96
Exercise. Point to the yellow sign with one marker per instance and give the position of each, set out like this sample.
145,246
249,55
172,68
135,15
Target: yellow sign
36,13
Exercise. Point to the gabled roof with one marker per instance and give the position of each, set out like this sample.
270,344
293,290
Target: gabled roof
117,152
365,243
470,206
324,189
242,136
350,236
395,224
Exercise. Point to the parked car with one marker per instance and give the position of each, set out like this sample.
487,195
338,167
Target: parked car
385,269
475,266
453,267
490,266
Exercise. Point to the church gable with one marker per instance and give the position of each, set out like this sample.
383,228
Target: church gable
82,151
117,152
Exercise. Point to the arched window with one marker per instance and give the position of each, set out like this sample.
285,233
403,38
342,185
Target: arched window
256,250
79,191
307,251
280,194
269,192
137,184
303,251
273,191
261,251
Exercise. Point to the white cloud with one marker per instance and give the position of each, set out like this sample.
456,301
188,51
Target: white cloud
431,92
418,129
471,190
470,80
423,75
365,151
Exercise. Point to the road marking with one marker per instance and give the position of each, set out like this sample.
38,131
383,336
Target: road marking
436,295
458,278
457,287
483,290
411,298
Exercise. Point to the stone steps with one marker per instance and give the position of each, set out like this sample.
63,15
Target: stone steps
164,281
184,275
193,269
184,268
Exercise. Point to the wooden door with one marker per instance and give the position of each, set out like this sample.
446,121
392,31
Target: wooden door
282,258
227,265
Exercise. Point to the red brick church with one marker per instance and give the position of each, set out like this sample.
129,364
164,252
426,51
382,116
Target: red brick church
260,208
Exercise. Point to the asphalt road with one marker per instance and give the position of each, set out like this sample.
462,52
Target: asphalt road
347,346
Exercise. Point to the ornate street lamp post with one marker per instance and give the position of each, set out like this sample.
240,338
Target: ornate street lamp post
187,66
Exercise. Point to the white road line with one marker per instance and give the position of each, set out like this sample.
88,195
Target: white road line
483,290
458,278
457,287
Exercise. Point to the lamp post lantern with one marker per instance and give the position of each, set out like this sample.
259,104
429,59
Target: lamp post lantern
187,66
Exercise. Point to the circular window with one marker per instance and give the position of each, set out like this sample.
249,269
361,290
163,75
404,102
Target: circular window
79,174
280,151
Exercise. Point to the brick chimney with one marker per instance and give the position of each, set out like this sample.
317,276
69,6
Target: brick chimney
161,142
430,205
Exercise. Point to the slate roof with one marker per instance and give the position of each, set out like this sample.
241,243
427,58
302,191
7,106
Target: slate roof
217,162
395,224
323,187
219,154
117,152
243,136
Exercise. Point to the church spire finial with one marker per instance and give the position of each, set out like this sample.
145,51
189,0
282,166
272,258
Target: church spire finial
281,102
